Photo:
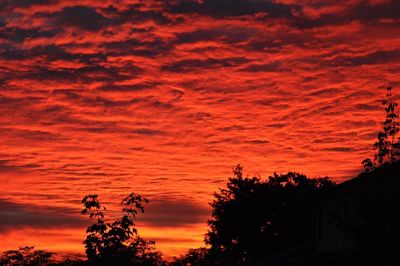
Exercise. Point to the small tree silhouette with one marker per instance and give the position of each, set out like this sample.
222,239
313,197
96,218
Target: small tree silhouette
388,144
117,243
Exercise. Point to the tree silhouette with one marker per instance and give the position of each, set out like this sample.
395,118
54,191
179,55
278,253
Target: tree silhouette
26,256
252,217
117,243
194,257
388,145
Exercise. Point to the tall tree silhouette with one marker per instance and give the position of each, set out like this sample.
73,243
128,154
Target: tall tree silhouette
251,217
117,243
388,145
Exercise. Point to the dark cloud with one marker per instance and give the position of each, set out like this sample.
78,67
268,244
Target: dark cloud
198,64
325,92
29,3
128,88
258,141
87,74
280,41
7,102
368,107
42,73
27,135
157,104
231,8
75,97
270,67
200,116
171,213
324,20
364,11
275,102
14,216
147,132
276,125
233,141
81,17
79,99
379,57
148,48
227,34
20,34
136,15
340,149
51,53
232,128
8,166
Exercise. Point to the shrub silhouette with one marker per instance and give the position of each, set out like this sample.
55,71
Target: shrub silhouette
117,243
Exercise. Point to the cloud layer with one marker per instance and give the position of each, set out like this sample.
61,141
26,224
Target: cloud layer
164,97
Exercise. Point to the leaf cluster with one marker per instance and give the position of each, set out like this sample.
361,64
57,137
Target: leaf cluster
387,145
108,243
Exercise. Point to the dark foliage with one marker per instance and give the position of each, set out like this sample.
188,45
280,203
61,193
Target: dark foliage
388,144
194,257
253,217
118,242
71,260
26,256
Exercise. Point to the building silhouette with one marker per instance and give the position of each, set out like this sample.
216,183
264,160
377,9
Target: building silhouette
355,223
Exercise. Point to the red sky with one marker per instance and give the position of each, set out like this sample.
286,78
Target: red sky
163,98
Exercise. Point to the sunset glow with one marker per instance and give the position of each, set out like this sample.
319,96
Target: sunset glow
163,98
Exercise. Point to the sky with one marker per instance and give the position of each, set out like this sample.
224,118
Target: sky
164,98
